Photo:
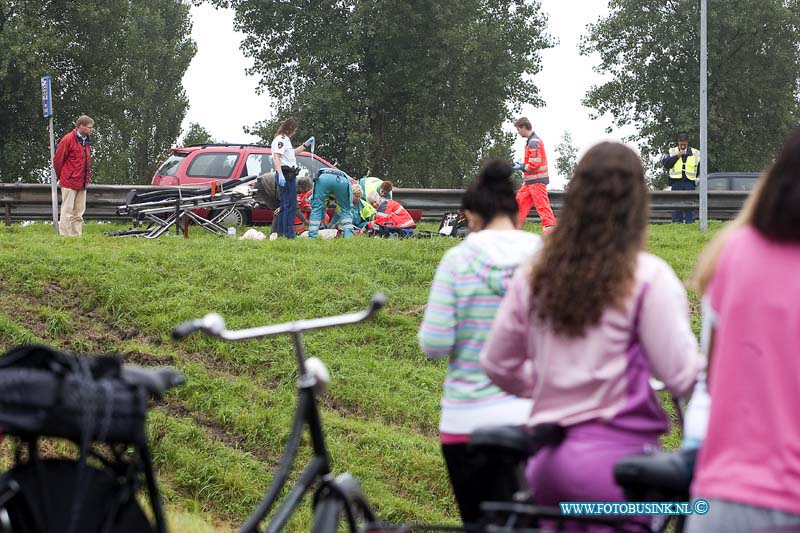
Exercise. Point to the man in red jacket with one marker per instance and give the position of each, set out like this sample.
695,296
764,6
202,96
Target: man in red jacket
72,163
535,178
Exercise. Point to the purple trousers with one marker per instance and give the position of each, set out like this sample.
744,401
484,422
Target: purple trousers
581,468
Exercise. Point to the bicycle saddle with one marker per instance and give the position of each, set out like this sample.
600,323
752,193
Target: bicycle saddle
155,381
518,440
512,438
658,476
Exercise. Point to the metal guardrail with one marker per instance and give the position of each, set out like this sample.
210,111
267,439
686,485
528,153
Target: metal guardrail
25,201
723,205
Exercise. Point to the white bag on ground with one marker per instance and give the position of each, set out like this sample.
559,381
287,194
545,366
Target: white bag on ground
253,234
328,234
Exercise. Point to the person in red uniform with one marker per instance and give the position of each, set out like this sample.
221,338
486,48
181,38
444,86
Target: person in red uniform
303,210
533,192
390,214
73,165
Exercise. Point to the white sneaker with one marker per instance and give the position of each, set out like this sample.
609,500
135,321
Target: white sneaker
273,236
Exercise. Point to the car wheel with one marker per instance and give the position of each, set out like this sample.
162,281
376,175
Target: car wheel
238,217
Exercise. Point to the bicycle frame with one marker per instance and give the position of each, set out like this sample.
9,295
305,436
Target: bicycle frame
520,515
306,412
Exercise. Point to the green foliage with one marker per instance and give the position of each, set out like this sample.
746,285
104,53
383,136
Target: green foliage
27,38
197,134
58,323
14,333
567,157
649,52
119,61
410,91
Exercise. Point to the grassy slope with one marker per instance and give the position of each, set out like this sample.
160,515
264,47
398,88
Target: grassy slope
217,439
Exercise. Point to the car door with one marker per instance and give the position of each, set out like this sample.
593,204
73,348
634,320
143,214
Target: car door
258,161
256,164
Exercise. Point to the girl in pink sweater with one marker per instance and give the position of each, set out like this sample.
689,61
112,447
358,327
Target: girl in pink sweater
749,464
585,325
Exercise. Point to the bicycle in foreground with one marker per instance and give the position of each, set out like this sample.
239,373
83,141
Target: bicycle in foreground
98,403
339,504
655,476
337,500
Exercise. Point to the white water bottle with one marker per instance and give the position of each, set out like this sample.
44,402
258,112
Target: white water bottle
695,422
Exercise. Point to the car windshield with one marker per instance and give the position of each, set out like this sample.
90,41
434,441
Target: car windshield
308,166
744,183
258,164
170,166
718,184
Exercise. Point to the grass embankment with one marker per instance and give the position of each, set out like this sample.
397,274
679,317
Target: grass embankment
218,438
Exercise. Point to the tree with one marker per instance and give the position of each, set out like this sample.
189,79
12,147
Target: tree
197,134
567,157
26,39
411,91
119,61
649,50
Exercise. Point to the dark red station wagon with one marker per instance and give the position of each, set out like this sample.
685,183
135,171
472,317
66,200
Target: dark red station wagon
202,164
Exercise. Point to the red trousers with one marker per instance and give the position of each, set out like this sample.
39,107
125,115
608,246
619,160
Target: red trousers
535,195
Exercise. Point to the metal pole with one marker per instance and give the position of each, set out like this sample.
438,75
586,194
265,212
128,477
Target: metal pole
703,117
53,178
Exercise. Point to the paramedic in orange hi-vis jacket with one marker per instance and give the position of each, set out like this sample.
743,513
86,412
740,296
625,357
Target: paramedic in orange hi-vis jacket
533,192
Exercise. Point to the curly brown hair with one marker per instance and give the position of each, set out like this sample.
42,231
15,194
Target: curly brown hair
589,261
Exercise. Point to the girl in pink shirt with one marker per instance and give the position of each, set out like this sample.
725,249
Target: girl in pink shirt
749,464
582,329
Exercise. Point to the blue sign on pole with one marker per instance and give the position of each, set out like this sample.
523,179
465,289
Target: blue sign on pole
47,97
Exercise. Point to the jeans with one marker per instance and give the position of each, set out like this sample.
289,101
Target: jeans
725,516
288,195
683,215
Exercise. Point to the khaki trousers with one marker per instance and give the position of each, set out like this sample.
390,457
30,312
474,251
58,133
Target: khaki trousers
73,205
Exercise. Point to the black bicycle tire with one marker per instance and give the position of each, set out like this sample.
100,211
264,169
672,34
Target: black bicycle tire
60,473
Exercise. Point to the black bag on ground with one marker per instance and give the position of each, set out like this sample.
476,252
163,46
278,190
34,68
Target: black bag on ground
454,224
388,231
44,392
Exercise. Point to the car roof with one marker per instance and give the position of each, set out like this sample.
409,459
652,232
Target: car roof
724,175
228,147
216,147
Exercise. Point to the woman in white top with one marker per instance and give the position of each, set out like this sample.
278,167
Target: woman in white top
286,169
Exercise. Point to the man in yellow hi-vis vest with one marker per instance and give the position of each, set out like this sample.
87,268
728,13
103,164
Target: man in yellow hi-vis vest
682,163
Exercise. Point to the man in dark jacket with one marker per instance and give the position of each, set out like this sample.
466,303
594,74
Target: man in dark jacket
72,163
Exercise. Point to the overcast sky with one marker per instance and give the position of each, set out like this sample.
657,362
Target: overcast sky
223,99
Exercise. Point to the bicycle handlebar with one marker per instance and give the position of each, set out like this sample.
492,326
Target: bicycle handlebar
214,325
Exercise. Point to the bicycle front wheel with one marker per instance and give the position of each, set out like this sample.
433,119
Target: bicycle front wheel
328,515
